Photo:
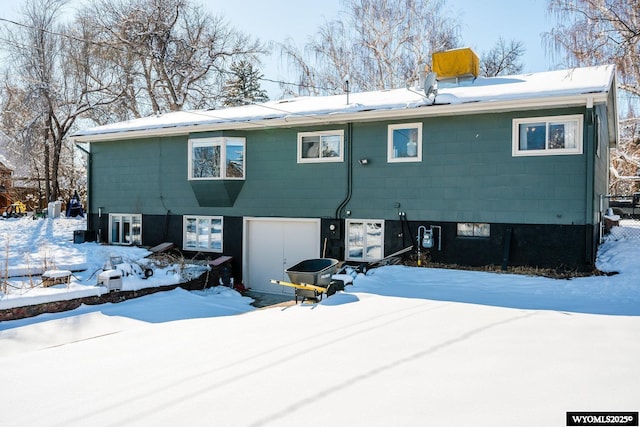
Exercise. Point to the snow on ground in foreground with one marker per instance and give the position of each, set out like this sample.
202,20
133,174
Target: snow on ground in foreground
30,247
401,346
356,359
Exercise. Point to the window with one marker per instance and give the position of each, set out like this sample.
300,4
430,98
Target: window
365,240
404,142
125,229
542,136
474,229
216,158
202,233
325,146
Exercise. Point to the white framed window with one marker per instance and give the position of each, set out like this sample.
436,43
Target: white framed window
217,158
404,142
547,136
323,146
202,233
125,229
474,229
364,239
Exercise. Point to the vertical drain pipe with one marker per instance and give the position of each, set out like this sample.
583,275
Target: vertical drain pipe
590,151
89,182
506,247
167,216
349,153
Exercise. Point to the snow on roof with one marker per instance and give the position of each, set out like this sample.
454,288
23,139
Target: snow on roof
481,92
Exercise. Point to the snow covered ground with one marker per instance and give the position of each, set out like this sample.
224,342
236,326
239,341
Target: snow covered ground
401,346
30,247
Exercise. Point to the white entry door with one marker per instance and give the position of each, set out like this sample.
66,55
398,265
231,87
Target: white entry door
272,245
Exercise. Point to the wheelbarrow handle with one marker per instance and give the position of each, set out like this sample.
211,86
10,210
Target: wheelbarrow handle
318,289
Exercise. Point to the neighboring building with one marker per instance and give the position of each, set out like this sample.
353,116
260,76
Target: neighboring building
502,170
15,189
6,184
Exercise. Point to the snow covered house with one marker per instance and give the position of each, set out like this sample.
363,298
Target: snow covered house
503,170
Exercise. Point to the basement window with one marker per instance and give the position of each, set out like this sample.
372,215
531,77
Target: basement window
474,229
364,240
546,136
202,233
125,229
324,146
404,143
217,158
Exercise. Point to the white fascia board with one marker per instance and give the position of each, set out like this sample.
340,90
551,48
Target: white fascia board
612,111
436,110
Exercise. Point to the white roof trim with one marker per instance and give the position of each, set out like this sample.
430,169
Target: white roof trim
426,111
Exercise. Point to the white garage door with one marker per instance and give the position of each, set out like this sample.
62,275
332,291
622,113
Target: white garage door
271,245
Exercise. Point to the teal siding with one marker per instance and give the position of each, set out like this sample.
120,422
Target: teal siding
602,159
276,185
467,175
150,176
140,176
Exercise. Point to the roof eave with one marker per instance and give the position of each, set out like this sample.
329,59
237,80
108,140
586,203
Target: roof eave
612,120
495,106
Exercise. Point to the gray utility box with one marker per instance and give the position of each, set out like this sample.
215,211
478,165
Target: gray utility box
111,279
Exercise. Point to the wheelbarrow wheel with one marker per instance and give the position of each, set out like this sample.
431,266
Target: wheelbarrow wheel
335,286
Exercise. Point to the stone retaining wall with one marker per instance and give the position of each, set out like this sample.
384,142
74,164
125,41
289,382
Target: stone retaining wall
112,297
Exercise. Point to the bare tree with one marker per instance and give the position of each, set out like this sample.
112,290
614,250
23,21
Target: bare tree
167,54
378,44
23,131
502,59
44,94
595,32
625,161
115,60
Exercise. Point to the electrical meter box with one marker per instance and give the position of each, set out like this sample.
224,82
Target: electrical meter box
427,239
111,279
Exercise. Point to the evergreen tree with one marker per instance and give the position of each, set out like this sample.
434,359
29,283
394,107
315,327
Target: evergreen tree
244,86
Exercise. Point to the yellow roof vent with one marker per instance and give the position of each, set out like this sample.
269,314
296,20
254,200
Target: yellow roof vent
454,63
